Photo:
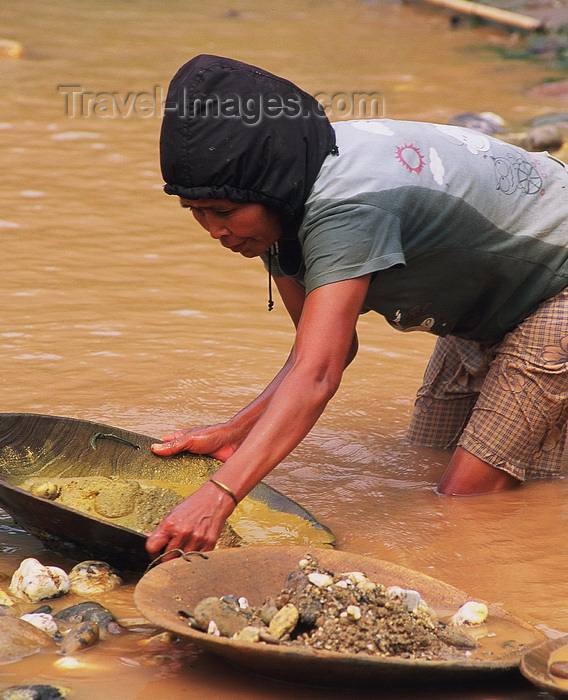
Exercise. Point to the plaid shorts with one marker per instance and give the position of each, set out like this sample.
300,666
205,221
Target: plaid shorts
506,403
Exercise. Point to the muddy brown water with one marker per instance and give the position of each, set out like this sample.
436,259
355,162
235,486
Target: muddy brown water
117,308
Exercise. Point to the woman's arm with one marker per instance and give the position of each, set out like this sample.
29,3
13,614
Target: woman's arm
223,439
283,416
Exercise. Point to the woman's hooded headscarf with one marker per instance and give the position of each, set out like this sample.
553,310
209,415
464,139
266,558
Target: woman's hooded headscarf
233,131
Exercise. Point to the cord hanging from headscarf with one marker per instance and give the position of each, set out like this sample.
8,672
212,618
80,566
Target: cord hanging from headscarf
273,250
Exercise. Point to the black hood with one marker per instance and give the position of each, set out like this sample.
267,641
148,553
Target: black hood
233,131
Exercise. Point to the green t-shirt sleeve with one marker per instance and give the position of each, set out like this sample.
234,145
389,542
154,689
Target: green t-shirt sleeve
347,240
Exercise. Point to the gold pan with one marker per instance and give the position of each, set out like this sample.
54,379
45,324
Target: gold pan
259,572
52,447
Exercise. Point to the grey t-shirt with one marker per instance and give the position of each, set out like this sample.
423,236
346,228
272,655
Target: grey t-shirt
464,234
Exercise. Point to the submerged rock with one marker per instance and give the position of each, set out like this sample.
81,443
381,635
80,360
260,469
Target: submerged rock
19,639
545,137
559,669
90,577
93,612
43,621
11,49
80,638
486,122
33,581
553,118
456,637
33,692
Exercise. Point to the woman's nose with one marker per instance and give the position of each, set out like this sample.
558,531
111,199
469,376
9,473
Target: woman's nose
216,228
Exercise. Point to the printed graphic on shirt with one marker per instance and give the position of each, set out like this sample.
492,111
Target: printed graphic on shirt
414,319
446,222
436,166
516,173
373,127
410,156
473,141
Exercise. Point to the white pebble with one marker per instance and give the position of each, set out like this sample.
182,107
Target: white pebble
43,621
355,576
470,613
354,612
320,580
213,629
33,581
410,599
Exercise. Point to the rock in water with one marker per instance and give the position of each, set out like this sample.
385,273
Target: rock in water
33,581
80,638
486,122
19,639
90,577
33,692
92,611
11,49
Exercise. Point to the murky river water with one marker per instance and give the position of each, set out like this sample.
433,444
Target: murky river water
117,308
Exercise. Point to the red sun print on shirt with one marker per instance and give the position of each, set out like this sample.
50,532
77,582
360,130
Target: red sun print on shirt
410,156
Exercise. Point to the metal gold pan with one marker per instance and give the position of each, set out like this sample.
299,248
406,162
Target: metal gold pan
33,445
260,572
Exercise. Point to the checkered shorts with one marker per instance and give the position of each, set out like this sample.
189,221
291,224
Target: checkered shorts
507,403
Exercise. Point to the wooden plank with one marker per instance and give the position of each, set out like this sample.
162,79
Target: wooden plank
495,14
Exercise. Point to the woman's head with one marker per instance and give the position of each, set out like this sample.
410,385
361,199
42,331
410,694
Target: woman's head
248,229
233,131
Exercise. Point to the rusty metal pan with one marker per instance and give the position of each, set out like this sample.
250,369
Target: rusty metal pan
260,572
33,445
535,665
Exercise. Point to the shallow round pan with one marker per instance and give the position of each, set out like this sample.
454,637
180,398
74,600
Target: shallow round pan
260,572
33,445
535,663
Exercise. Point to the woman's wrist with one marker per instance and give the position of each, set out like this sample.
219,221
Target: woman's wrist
226,489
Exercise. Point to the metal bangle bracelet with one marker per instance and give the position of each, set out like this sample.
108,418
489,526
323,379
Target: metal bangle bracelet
226,489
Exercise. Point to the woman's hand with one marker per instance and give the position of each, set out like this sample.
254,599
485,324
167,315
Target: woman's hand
260,436
192,526
213,440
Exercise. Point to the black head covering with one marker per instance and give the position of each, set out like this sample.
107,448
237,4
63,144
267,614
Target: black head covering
233,131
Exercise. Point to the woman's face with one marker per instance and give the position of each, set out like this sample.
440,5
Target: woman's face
248,229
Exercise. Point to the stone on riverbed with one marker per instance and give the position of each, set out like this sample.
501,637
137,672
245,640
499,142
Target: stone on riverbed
90,577
486,122
34,692
19,639
80,638
9,48
33,581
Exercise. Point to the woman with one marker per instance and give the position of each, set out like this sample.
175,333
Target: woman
437,228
